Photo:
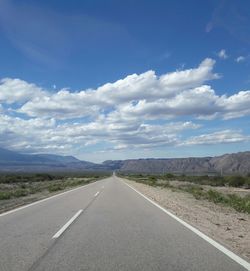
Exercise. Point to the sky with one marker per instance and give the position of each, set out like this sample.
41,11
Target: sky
116,79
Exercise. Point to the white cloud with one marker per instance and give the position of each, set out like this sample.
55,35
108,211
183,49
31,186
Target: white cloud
133,112
236,105
42,134
201,102
16,90
146,86
21,134
62,105
222,54
220,137
190,78
240,59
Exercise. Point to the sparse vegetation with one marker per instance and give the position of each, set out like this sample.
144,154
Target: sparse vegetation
196,187
238,203
5,195
237,181
234,181
152,180
20,185
169,175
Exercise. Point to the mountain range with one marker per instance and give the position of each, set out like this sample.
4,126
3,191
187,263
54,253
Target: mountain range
12,161
235,163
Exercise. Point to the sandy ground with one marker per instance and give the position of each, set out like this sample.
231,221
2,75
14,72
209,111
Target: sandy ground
223,224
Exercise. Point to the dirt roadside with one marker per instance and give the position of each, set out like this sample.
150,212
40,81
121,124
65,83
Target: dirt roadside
223,224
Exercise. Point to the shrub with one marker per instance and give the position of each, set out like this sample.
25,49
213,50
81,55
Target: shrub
5,195
20,193
169,175
247,183
40,177
152,180
195,190
55,187
236,181
218,181
215,196
238,203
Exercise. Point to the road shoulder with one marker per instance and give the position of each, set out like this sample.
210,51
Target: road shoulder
222,224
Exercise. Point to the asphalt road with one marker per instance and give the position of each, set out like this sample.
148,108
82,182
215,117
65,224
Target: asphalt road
103,226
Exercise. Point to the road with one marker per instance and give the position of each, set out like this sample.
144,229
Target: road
105,225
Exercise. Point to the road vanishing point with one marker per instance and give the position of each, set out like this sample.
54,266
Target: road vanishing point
106,226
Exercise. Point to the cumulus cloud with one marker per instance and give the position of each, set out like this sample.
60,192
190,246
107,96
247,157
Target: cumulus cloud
62,105
222,54
201,102
236,105
190,78
146,86
16,90
139,111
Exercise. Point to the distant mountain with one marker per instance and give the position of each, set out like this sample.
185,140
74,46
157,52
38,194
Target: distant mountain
114,164
11,161
235,163
58,158
8,157
232,163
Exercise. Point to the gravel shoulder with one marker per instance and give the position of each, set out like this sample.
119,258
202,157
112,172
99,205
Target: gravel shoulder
223,224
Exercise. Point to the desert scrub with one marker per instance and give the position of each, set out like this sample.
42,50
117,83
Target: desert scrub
169,176
17,186
152,180
19,193
55,187
195,190
68,183
5,195
236,181
215,196
240,204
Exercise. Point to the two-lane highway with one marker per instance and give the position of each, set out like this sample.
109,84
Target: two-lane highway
103,226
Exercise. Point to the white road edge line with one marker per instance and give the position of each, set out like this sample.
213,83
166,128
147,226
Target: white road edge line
226,251
97,193
43,200
63,229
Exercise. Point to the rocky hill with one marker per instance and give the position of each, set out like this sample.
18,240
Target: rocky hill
236,163
232,163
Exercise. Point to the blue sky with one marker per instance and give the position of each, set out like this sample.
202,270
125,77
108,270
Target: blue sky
125,79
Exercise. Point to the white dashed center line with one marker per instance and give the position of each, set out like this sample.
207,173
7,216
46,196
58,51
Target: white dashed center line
61,231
